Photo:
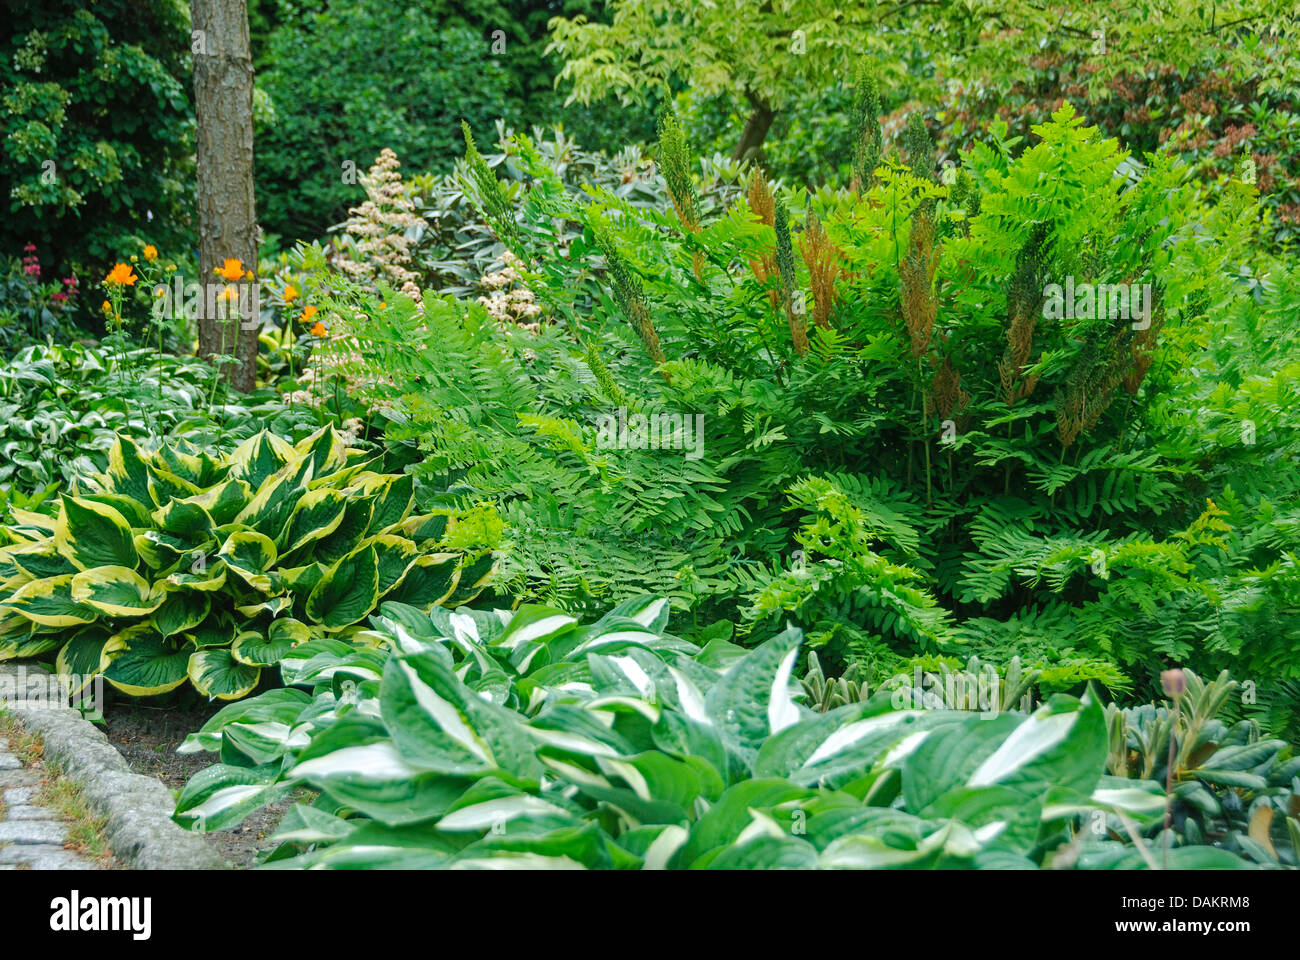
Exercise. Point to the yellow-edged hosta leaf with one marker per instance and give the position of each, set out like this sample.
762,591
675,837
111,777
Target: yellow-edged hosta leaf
163,551
128,470
259,457
93,534
259,649
206,574
181,610
165,486
26,518
251,556
116,591
422,528
35,560
218,675
150,665
474,577
184,518
87,655
317,515
225,501
24,647
395,555
347,592
49,602
326,450
274,606
393,496
430,580
219,630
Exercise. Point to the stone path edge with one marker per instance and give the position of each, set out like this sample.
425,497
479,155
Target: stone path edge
137,808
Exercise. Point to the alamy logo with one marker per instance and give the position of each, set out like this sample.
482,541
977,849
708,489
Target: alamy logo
73,913
652,431
1102,301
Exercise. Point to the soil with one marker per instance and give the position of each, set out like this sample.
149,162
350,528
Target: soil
147,737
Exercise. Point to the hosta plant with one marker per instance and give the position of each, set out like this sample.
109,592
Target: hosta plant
63,405
526,739
176,565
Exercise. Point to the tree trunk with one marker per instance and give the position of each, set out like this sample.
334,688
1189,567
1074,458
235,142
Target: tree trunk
223,98
756,127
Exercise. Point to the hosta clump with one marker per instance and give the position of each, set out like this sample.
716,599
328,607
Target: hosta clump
491,739
177,565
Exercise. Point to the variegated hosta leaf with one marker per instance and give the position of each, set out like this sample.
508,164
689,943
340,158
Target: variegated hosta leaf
216,674
117,592
251,556
92,534
150,665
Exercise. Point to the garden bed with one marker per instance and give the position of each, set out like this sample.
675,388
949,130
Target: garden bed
147,738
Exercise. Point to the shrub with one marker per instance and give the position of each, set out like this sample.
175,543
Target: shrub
97,128
176,564
326,116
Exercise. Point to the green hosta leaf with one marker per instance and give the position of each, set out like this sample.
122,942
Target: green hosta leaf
223,502
218,675
768,853
752,700
393,497
424,702
284,705
266,649
181,610
727,818
250,555
373,777
116,591
948,757
347,592
50,603
430,580
474,577
491,804
93,535
87,655
317,515
259,457
223,795
186,520
151,665
1062,744
394,555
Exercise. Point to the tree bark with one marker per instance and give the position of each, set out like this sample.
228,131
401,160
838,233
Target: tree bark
756,127
223,97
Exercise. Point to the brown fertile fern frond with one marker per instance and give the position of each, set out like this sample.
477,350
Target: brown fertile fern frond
823,259
916,281
763,202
